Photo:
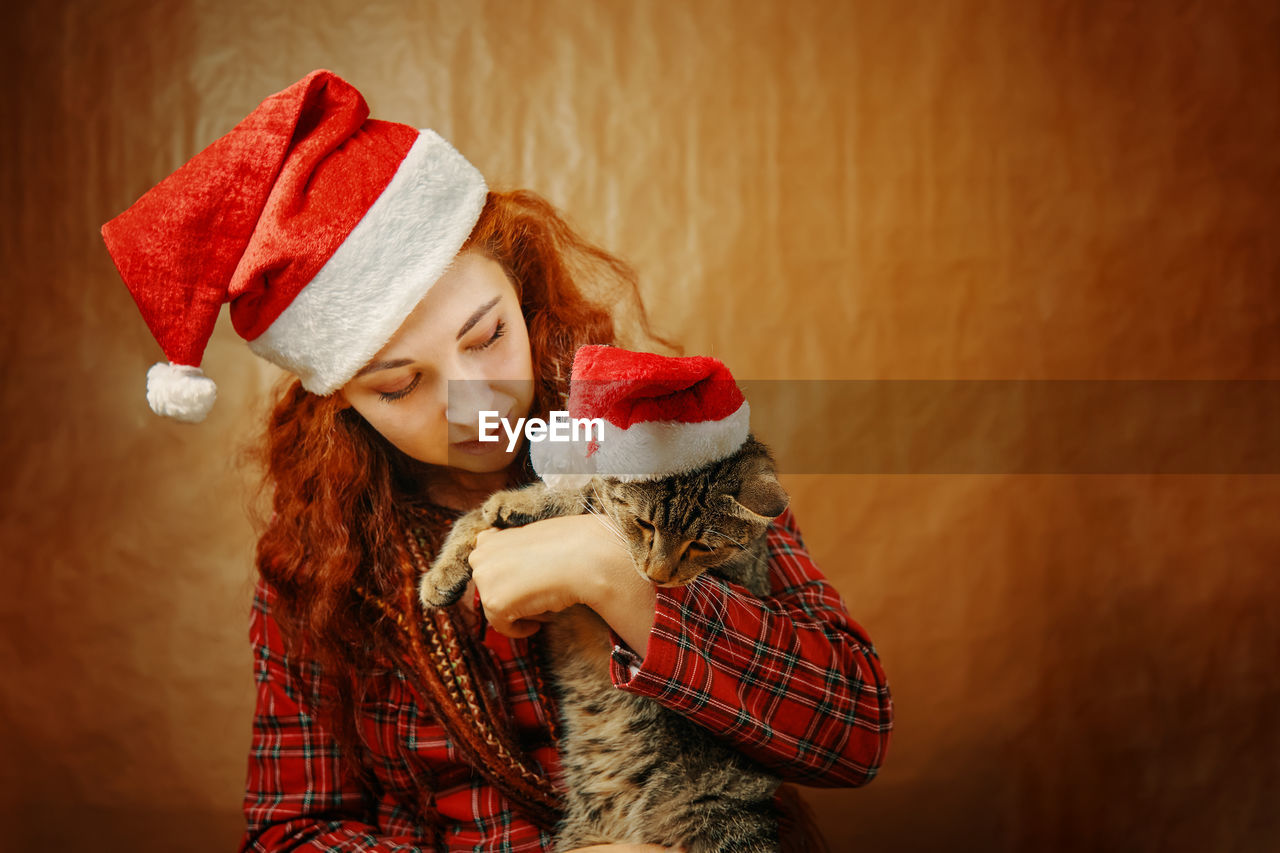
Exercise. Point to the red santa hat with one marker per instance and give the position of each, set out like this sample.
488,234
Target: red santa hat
321,227
661,416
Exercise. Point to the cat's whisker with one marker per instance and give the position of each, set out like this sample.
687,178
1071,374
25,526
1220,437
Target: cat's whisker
614,529
592,509
605,519
735,543
722,614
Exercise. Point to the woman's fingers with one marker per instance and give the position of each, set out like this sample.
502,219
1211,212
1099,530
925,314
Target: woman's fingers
524,574
517,630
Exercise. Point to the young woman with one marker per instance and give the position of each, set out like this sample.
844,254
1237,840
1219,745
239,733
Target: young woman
371,261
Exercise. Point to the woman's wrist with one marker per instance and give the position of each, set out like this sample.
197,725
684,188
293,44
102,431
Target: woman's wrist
621,597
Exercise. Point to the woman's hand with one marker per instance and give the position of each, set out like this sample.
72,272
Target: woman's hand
524,574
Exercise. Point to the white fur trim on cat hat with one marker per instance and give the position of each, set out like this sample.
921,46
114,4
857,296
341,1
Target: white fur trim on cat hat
322,228
661,416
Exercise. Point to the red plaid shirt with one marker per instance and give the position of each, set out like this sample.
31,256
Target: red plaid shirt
790,680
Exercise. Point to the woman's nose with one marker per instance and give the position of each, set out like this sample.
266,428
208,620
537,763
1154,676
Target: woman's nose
467,399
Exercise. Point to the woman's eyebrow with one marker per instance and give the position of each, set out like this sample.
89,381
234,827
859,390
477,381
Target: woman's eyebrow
475,317
375,366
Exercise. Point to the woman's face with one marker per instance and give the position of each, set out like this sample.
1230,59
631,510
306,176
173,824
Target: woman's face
463,350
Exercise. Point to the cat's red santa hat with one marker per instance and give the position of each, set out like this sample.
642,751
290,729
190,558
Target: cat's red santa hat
662,416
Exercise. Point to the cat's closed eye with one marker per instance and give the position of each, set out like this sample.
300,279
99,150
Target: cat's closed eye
696,547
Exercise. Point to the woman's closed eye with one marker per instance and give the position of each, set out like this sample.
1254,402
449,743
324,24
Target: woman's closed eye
391,396
499,330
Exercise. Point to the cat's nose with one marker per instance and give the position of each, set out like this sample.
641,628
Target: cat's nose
660,572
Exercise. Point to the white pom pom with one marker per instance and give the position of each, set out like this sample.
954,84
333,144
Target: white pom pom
180,391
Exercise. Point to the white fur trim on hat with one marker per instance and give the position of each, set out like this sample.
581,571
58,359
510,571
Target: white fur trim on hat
644,451
180,391
563,464
388,262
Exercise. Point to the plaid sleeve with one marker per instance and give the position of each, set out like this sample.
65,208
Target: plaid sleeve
294,796
791,680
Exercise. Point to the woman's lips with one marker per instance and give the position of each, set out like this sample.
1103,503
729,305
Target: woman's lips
476,447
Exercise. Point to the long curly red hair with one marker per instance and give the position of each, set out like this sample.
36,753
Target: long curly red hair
338,488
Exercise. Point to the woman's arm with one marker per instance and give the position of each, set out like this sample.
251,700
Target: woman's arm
296,797
790,680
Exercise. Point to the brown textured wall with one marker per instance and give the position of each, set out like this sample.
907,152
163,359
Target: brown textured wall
877,190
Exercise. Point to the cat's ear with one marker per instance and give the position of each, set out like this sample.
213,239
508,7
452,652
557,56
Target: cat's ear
761,494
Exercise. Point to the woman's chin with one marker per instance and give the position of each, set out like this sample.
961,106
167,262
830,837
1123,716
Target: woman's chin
479,460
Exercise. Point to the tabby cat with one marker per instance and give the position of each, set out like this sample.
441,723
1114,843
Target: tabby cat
636,771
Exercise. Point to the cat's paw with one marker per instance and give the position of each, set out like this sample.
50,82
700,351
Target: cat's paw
509,509
445,581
